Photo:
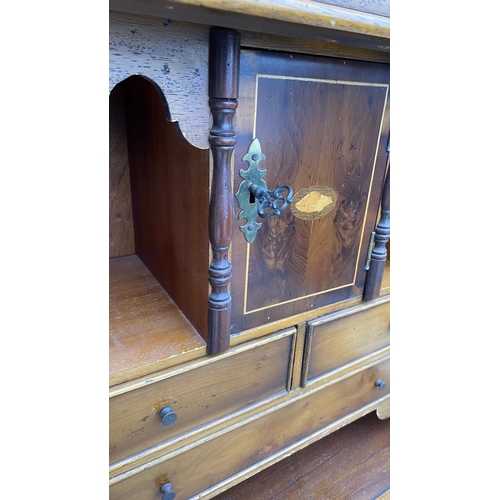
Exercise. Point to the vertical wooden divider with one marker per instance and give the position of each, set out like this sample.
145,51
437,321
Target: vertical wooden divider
379,253
224,65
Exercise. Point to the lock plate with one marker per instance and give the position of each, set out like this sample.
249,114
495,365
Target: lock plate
247,202
254,199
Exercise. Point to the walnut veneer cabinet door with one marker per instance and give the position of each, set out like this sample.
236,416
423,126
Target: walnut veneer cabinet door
323,126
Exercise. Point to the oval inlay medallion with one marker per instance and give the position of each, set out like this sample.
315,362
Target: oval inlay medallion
313,202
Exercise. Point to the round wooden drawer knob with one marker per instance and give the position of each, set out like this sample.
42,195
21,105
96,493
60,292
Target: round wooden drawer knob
168,493
168,416
381,384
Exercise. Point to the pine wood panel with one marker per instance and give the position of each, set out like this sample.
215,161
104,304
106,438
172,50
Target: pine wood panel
340,338
321,122
147,332
198,395
307,19
204,465
352,463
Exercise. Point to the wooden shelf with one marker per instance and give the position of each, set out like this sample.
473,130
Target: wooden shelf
147,331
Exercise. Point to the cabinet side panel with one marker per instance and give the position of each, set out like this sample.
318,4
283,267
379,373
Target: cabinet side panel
121,224
170,193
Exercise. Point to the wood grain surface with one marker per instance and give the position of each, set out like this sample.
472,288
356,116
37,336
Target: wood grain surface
297,18
301,45
320,124
147,331
198,396
224,62
337,339
380,7
350,464
170,198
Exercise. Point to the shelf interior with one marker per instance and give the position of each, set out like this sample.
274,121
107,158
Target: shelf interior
147,331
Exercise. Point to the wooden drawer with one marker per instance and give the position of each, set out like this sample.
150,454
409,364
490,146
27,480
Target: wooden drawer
198,393
200,466
341,338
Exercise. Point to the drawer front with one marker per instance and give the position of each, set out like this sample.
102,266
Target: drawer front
200,395
209,463
338,339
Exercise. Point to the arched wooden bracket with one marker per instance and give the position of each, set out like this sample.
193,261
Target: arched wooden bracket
253,196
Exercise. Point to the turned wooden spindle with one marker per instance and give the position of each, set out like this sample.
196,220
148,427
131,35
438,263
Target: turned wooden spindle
379,253
224,54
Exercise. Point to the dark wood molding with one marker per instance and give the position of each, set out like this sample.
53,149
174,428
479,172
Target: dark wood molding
224,54
379,253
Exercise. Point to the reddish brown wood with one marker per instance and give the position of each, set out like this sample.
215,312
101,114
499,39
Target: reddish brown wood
223,92
147,331
379,254
169,179
224,63
320,123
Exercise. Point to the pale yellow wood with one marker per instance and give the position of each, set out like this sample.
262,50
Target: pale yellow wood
198,363
251,471
147,331
301,12
244,434
247,414
385,496
253,440
198,396
265,41
384,410
274,326
300,19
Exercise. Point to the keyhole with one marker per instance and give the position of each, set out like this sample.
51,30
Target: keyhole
252,197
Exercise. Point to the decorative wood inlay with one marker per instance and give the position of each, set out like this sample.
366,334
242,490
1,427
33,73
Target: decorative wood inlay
223,92
313,202
379,254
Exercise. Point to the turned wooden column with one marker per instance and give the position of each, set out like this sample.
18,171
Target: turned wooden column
224,65
379,253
